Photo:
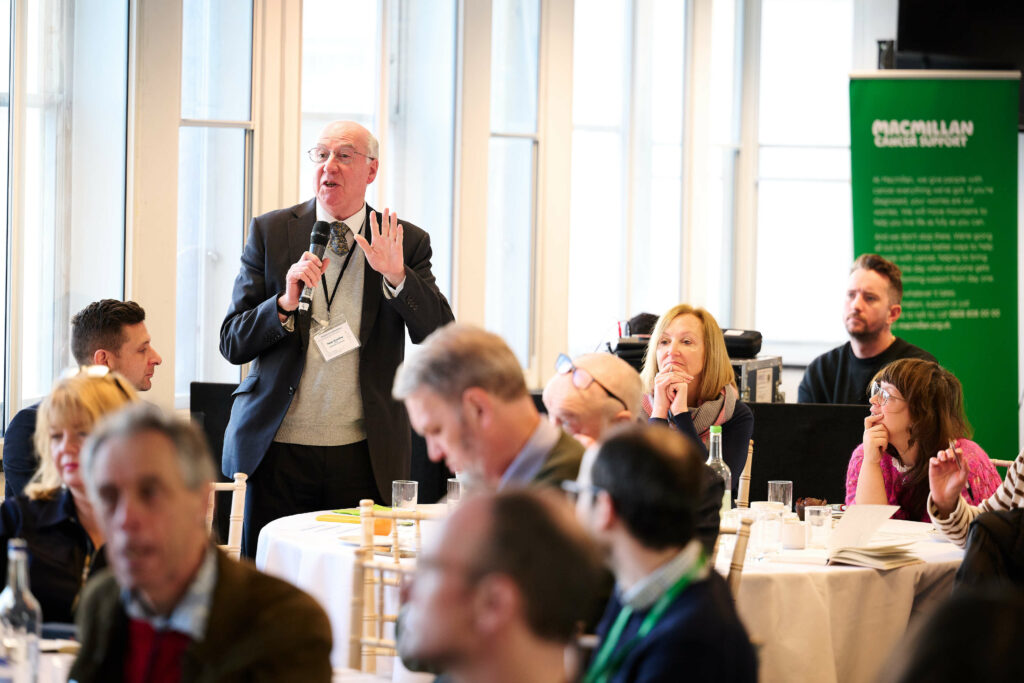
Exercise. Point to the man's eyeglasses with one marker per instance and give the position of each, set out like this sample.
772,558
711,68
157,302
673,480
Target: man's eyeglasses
581,379
344,155
573,489
883,395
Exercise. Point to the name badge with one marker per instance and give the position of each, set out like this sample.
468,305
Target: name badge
336,341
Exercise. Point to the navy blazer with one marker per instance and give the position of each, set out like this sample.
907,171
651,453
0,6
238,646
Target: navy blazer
252,333
20,459
699,638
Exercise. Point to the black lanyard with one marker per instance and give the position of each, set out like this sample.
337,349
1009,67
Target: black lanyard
323,277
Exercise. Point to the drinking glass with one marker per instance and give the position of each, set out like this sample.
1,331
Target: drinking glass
404,496
766,532
781,492
454,493
819,524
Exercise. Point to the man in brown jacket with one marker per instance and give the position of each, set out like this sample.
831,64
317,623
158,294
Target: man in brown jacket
175,608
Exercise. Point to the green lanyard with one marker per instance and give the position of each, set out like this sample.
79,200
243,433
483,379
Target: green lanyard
605,664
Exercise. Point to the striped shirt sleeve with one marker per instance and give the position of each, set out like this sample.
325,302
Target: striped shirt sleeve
1009,495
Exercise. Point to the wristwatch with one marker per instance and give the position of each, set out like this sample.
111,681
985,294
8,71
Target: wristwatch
285,313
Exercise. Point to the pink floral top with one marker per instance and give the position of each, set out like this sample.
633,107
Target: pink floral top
982,477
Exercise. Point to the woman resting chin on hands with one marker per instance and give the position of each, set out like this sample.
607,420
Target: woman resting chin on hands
689,383
916,409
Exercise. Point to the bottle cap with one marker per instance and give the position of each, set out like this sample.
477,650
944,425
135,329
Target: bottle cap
716,429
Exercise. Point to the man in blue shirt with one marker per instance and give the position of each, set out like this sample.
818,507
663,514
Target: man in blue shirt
671,617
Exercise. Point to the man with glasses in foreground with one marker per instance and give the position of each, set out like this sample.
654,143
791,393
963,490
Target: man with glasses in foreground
313,423
590,394
107,333
671,616
466,395
173,607
499,594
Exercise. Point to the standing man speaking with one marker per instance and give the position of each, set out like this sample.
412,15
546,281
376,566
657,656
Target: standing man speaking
313,423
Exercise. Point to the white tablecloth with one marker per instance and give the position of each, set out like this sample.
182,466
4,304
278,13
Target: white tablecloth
318,557
839,624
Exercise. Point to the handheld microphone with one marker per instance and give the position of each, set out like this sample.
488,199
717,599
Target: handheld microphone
317,245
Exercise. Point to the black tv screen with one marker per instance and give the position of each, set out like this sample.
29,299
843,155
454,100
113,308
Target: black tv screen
961,34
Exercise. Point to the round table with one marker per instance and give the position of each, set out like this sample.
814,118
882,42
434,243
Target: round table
318,557
838,624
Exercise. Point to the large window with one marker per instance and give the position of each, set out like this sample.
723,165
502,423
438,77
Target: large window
627,156
512,172
407,101
804,212
716,159
214,161
64,108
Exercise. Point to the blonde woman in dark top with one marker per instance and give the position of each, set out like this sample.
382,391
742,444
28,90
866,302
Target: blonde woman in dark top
54,514
689,383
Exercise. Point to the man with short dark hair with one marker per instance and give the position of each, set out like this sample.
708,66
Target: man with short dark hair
499,594
175,608
874,294
106,332
465,393
671,617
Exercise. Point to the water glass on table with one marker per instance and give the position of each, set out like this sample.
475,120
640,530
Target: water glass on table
454,493
781,492
819,525
405,496
766,533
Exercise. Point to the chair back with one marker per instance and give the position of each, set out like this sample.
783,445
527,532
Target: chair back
371,577
237,487
739,553
1006,463
743,492
806,443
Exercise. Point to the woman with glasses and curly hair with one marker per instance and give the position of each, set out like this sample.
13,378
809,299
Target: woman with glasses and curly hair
54,515
689,383
917,410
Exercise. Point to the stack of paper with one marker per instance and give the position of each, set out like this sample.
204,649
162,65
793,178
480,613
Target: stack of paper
850,542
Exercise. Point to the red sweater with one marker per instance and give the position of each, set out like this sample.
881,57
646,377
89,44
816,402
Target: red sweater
153,656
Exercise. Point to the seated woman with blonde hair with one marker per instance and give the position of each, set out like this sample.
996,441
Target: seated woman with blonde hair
917,410
689,383
54,515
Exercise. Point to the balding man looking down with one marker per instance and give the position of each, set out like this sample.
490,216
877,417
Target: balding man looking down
596,391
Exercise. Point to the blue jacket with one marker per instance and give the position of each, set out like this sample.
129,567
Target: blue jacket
20,459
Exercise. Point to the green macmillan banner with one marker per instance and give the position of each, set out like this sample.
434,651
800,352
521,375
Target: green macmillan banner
934,172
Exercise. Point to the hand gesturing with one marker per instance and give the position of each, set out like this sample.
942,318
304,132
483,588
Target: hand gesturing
385,254
947,474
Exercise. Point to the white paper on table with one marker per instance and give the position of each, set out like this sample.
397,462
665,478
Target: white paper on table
858,524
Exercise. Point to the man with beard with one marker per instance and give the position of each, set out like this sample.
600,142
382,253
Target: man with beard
873,295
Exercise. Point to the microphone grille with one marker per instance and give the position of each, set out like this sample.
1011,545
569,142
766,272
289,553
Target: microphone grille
321,233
